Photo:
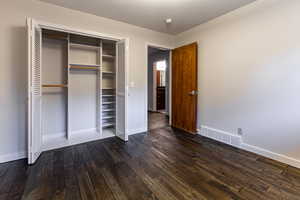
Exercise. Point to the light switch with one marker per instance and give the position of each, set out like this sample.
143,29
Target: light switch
132,84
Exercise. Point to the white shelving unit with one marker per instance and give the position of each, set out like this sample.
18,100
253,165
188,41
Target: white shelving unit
108,70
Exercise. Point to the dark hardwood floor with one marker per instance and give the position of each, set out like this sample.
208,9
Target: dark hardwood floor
163,164
157,120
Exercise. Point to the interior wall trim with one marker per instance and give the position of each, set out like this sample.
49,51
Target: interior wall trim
237,141
272,155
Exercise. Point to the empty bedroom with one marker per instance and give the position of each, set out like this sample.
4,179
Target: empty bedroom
149,99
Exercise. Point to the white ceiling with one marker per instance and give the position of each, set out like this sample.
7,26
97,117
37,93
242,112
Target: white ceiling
152,13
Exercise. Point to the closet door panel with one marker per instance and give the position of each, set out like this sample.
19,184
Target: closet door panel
121,91
35,100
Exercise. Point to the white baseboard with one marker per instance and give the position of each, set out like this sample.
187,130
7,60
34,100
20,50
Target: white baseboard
237,141
221,136
12,156
76,137
272,155
136,131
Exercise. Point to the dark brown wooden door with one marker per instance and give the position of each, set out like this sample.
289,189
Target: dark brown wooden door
184,88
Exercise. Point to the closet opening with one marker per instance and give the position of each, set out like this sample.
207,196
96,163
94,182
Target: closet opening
158,87
77,87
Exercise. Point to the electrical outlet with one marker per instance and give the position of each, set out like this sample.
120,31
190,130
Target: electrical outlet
240,131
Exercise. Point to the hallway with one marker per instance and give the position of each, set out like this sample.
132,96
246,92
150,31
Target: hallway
157,120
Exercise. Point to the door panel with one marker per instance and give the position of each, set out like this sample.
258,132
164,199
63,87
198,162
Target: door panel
121,91
34,91
184,88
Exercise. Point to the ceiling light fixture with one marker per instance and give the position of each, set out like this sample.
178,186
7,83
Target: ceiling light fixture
168,21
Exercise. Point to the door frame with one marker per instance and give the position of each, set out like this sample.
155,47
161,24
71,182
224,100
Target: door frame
163,47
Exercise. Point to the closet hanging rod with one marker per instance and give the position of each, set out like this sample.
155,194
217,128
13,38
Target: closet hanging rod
54,85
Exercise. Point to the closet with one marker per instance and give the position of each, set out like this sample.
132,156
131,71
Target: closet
76,87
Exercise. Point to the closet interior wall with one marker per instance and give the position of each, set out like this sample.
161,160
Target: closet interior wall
78,87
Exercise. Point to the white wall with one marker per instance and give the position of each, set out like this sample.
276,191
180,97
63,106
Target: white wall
249,74
13,14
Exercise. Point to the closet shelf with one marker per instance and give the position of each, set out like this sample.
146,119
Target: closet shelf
105,125
109,102
107,110
85,65
54,85
108,95
84,46
108,117
107,56
85,68
108,88
108,72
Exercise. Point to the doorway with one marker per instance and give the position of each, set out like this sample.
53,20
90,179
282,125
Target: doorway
158,87
172,75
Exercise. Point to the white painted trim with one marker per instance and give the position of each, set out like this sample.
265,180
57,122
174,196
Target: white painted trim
137,131
63,28
163,47
237,141
78,138
269,154
12,156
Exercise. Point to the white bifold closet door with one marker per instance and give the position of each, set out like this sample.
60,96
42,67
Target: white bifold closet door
121,90
34,91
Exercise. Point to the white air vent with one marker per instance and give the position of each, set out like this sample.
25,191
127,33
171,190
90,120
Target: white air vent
221,136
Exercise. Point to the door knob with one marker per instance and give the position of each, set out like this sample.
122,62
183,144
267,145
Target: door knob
193,93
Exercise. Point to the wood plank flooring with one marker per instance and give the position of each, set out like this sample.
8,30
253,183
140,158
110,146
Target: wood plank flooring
157,120
163,164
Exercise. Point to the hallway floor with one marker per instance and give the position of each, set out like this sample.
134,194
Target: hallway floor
157,120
